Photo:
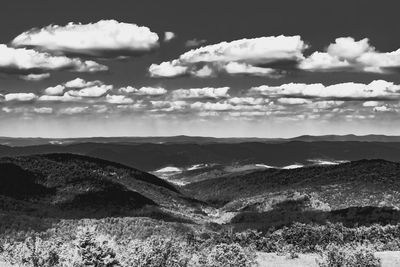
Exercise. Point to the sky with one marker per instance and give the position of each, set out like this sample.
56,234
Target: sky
203,68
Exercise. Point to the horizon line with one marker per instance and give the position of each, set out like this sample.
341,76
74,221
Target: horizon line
197,136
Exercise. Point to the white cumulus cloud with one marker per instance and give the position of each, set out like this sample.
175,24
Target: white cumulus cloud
207,92
118,99
144,91
55,90
73,110
35,77
92,91
167,69
168,106
252,51
293,101
23,97
168,36
242,68
371,103
348,54
103,38
28,60
375,89
205,71
66,97
81,83
246,53
382,109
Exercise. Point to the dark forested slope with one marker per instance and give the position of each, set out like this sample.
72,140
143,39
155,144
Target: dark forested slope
66,185
358,183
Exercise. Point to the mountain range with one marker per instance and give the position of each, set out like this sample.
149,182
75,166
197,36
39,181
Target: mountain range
183,139
152,157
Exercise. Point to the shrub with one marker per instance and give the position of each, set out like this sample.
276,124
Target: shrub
347,256
155,251
226,255
33,252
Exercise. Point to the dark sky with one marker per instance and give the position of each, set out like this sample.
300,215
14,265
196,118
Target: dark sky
318,23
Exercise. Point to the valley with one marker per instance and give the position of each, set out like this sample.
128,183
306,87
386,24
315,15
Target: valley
270,211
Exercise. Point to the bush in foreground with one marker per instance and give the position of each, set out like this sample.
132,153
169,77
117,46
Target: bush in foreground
34,252
232,255
347,256
95,252
92,249
155,251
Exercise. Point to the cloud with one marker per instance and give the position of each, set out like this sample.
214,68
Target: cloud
251,51
348,48
320,61
246,53
247,101
144,91
294,101
66,97
242,68
207,92
382,109
168,106
35,77
81,83
101,39
348,54
43,110
92,91
195,42
209,106
205,71
73,110
80,89
168,36
55,90
22,97
325,104
28,61
378,89
167,69
371,104
118,99
223,106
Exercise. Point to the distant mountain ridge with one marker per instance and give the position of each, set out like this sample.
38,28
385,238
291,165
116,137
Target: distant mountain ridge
347,138
151,157
184,139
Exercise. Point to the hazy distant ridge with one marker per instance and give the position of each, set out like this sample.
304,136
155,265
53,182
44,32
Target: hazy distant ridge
183,139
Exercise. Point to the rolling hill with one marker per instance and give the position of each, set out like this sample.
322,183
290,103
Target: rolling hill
355,193
74,186
358,183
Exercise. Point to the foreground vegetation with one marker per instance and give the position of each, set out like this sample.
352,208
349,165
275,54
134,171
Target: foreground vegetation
76,211
148,242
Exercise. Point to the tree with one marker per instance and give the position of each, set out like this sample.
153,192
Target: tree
95,253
